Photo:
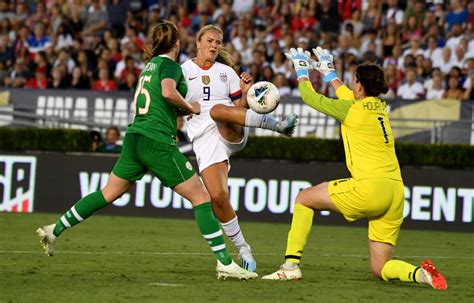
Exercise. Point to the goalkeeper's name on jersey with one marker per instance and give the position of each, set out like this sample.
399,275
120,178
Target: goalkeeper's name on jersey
374,106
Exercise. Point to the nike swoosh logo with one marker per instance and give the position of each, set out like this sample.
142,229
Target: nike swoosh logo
260,96
190,79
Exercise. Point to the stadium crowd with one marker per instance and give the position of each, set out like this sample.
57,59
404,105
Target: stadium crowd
425,47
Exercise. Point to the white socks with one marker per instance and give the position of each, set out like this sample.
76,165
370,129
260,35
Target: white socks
253,119
233,232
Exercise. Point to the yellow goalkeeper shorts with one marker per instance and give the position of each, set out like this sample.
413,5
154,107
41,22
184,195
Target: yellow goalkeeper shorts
380,200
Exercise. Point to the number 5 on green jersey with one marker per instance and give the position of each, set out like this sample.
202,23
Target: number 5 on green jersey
142,90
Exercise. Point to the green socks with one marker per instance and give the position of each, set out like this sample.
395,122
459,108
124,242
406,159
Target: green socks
82,210
212,232
206,221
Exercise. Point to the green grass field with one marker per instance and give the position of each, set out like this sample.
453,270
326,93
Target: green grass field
121,259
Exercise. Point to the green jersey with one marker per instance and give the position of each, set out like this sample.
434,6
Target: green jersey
155,117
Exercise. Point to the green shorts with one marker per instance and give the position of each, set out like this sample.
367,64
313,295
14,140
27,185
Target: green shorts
141,154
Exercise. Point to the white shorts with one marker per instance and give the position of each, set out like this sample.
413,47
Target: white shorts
211,148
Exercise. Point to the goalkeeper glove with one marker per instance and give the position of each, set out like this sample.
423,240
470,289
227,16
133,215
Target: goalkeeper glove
325,65
300,61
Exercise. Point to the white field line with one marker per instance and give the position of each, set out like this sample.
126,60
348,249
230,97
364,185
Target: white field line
151,253
165,284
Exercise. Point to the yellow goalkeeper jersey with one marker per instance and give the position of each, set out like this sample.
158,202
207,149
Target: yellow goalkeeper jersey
365,130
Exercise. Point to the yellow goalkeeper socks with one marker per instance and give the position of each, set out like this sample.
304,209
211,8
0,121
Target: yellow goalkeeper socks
300,228
405,272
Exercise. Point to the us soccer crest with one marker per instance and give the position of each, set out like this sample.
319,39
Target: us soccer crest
223,77
206,80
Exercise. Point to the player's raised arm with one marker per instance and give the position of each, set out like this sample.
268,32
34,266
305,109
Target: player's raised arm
325,65
332,107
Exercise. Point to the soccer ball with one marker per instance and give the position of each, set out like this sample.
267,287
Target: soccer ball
263,97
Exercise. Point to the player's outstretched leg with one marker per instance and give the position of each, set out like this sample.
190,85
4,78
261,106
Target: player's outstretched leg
406,272
212,233
285,127
83,209
246,117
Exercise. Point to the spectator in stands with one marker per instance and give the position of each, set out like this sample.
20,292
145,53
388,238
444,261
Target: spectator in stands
39,81
393,14
395,58
454,90
414,8
80,80
5,12
268,74
242,43
39,16
112,135
60,78
114,48
63,38
470,17
95,19
356,23
21,13
280,65
411,89
104,83
6,29
282,84
459,55
428,83
129,84
391,37
117,12
469,87
429,23
456,16
130,68
7,55
456,35
411,30
345,45
56,18
369,37
19,75
134,38
433,52
392,79
372,16
436,90
446,62
39,40
439,12
64,58
96,140
328,16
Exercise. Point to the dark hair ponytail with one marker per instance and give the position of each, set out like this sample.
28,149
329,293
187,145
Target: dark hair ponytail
161,40
372,79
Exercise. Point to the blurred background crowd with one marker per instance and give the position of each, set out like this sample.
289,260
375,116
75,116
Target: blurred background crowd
426,47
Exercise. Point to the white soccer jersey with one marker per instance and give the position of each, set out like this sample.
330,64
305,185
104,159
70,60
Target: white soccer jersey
218,84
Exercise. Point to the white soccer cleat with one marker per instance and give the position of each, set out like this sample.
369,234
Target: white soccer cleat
248,261
431,276
233,271
287,126
288,271
47,238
